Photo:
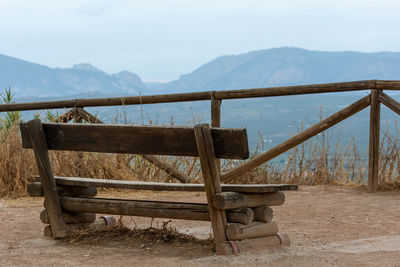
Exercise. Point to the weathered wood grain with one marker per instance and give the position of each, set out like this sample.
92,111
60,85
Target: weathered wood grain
216,119
36,135
114,101
389,102
387,85
243,215
296,90
373,156
156,209
216,113
263,214
153,186
212,185
77,191
232,200
155,140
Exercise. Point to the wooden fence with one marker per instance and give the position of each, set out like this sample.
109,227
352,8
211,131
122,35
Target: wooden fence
374,99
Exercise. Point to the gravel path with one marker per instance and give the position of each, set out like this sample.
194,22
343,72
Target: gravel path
328,226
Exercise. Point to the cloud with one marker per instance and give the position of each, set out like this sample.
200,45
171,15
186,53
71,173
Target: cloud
94,8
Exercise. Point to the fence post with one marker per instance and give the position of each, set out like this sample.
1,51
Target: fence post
215,112
374,128
216,119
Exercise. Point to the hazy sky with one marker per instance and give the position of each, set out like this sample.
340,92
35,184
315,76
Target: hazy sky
159,40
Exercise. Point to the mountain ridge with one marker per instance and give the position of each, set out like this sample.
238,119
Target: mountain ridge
31,79
261,68
288,66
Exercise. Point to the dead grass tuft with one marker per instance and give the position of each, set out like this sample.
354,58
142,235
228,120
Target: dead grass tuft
137,237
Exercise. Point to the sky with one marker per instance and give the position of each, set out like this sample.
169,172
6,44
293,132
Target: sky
160,40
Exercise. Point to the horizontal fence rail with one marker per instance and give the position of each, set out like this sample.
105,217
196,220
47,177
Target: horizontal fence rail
374,99
208,95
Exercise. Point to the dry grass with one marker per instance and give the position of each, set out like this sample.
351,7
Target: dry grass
318,161
322,161
138,237
18,167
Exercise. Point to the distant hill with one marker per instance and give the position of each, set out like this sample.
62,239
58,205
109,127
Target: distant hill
274,118
30,79
263,68
287,66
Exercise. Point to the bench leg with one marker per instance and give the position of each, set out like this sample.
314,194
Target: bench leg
51,199
210,172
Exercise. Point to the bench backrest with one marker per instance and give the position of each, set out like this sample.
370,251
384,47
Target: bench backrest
154,140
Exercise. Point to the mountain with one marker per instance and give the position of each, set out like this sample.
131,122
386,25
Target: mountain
263,68
274,118
30,79
287,66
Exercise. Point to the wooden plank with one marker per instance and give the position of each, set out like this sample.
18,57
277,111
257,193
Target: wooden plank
37,138
389,102
153,186
373,157
212,185
236,231
77,191
144,208
155,209
199,96
232,200
175,141
298,139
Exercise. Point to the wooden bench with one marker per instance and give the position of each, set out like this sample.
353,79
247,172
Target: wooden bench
236,212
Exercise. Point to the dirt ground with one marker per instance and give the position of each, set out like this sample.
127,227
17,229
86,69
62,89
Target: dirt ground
328,226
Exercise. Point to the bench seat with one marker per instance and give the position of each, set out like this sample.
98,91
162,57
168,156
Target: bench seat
152,186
